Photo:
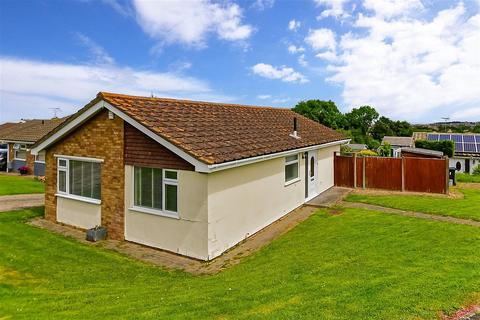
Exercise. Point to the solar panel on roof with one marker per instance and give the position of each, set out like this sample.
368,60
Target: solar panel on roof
478,147
444,137
469,138
433,136
469,147
477,137
457,137
459,147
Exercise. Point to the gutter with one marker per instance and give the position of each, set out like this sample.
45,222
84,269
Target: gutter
241,162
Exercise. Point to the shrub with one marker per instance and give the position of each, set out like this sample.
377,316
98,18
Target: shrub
446,146
368,153
345,149
476,171
385,150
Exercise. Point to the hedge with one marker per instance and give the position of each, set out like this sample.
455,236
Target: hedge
446,146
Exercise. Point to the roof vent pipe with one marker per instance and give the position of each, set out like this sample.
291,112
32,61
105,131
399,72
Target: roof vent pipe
295,134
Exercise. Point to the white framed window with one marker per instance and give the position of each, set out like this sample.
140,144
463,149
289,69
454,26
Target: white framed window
291,169
156,190
20,151
40,157
79,179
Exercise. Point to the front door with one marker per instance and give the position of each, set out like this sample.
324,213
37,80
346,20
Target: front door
312,173
467,165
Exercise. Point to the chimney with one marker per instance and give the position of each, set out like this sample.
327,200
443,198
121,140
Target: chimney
295,134
43,121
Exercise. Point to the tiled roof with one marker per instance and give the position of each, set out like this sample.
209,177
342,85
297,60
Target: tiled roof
216,132
398,141
28,130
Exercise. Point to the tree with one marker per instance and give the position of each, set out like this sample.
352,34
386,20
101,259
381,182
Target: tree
362,117
386,127
382,128
325,112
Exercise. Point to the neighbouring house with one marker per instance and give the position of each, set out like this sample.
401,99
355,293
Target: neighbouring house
397,143
421,153
194,178
20,136
357,147
467,149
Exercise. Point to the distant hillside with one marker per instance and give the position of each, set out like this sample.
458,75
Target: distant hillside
450,126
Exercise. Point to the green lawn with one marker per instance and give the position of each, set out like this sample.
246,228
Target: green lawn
463,177
19,185
357,265
466,208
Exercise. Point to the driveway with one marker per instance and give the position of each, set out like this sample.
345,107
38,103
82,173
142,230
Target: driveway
20,201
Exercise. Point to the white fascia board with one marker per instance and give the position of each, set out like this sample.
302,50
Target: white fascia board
199,166
241,162
69,127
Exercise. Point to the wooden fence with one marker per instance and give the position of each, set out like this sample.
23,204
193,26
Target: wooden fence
401,174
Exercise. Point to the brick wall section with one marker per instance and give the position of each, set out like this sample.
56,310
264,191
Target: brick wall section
97,138
30,160
141,150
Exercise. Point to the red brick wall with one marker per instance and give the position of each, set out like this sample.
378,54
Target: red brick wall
97,138
143,151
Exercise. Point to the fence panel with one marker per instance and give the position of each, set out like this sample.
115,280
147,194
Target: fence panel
383,173
343,171
426,175
418,174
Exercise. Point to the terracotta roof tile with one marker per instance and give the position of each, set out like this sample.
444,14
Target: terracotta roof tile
217,132
28,130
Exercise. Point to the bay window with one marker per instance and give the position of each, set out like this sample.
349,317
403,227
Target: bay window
156,189
79,178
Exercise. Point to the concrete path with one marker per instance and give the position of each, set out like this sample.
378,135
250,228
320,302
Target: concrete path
20,201
329,198
410,213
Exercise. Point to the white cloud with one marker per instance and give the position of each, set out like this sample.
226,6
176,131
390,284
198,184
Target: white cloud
467,114
280,100
122,9
321,39
98,52
294,49
263,4
264,96
190,23
283,73
392,8
29,88
407,67
302,61
335,8
293,25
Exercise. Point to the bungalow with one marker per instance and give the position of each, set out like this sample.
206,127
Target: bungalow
397,143
20,136
194,178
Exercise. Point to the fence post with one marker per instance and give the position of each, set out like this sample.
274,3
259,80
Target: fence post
354,170
363,173
447,173
403,174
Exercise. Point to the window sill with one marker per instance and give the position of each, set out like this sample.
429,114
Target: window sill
18,159
166,214
79,198
292,182
40,162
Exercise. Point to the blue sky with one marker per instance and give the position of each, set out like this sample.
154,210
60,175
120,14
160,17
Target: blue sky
410,59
